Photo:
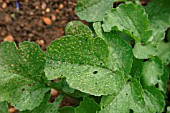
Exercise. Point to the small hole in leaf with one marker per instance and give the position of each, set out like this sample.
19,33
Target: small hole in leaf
101,63
131,111
86,39
157,85
23,89
95,72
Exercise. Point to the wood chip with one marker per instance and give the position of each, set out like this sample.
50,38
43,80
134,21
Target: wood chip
9,38
47,20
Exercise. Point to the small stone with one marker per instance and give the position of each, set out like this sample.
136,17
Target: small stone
47,20
43,6
40,42
47,10
54,93
12,110
8,19
53,17
61,6
57,11
9,38
4,5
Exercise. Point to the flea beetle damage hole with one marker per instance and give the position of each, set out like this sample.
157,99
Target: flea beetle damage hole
95,72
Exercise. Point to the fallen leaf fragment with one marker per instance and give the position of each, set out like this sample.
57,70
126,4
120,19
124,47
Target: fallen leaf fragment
9,38
47,20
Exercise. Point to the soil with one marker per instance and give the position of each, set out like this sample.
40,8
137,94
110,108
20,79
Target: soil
41,21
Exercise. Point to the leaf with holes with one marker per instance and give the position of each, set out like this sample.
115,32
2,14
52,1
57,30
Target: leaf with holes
84,63
20,67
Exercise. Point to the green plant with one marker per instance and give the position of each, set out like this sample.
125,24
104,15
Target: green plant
117,66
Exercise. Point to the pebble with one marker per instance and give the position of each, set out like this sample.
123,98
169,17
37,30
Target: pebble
12,110
61,6
53,17
54,93
47,20
43,6
4,5
47,10
9,38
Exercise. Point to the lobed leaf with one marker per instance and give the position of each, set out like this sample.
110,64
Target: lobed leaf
159,15
93,10
20,67
130,98
152,72
163,52
130,18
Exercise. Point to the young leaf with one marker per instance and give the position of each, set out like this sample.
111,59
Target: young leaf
93,10
88,105
145,51
159,15
83,61
20,67
120,54
3,107
46,106
129,98
130,18
154,100
152,72
77,28
163,52
133,98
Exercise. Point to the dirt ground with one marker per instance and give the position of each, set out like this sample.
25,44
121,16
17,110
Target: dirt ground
41,21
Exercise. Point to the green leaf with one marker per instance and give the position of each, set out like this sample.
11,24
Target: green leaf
136,69
163,81
20,67
154,101
164,52
133,98
130,18
120,53
88,105
152,72
46,106
3,107
28,97
159,15
93,10
129,98
77,28
66,109
83,61
145,51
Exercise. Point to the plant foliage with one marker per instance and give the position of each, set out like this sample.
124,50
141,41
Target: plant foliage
119,65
